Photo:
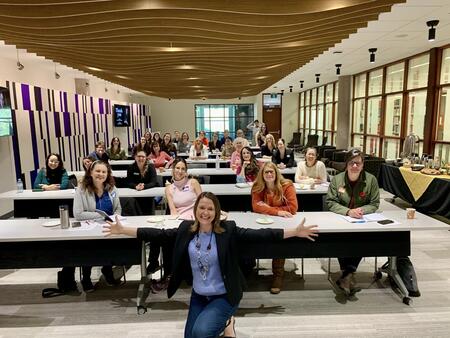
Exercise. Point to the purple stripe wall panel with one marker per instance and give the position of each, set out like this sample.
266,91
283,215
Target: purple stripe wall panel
46,120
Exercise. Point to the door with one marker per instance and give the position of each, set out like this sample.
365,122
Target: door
272,119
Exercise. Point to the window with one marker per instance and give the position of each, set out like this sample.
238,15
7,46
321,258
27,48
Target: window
418,72
394,77
218,117
360,85
375,82
318,113
393,120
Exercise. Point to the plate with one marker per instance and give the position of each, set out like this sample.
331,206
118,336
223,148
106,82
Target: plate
50,224
300,186
242,185
155,219
265,220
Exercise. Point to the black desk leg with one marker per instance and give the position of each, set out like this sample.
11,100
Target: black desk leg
143,292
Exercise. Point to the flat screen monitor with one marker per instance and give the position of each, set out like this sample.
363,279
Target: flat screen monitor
6,123
121,115
272,100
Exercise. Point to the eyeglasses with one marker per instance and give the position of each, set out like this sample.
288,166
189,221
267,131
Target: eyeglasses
352,163
266,172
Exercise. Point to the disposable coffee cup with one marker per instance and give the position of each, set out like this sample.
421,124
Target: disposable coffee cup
410,213
312,186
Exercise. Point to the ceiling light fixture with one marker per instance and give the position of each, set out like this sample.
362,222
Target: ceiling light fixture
432,31
19,65
282,92
372,52
301,84
57,76
338,68
317,78
290,89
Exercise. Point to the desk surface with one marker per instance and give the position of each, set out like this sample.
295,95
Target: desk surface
16,230
192,171
218,189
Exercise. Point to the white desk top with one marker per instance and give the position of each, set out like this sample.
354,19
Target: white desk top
192,171
218,189
32,230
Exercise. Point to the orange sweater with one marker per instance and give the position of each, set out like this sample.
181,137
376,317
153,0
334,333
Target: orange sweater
271,206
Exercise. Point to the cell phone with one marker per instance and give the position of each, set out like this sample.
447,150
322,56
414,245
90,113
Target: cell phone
104,214
76,224
385,221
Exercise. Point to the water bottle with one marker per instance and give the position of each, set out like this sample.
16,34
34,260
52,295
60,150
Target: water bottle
217,161
19,186
64,216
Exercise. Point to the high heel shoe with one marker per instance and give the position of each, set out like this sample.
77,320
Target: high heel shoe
230,321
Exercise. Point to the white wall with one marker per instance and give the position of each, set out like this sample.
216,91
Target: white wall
168,116
7,181
289,115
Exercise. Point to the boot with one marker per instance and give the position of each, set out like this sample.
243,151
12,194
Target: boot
278,273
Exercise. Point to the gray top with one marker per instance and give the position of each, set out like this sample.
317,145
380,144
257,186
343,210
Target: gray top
84,204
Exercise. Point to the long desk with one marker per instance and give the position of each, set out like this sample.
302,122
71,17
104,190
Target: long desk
26,244
217,175
46,203
209,162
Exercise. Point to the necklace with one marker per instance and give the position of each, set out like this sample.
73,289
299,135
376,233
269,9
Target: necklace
203,262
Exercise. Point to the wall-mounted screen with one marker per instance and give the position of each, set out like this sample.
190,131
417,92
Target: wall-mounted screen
121,115
272,100
6,124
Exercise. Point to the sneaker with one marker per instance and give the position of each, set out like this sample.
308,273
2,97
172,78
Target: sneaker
109,277
87,285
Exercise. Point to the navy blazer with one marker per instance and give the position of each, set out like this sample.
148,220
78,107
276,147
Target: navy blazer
227,252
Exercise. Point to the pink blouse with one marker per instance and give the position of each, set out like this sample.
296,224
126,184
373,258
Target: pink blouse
161,160
184,198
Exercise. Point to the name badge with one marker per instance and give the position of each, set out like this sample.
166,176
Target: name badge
136,174
341,190
113,194
186,188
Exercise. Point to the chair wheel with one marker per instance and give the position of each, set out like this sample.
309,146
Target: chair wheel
377,275
407,300
141,310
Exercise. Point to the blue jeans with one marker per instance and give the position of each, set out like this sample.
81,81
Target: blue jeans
207,315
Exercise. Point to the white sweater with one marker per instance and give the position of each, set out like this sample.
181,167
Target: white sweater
316,171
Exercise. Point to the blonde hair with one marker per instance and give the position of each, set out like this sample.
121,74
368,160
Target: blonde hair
260,184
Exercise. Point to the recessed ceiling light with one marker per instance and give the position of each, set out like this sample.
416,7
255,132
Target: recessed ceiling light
185,67
122,77
94,69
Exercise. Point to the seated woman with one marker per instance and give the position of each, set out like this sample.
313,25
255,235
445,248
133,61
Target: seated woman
353,193
184,145
115,152
143,145
168,147
96,192
148,137
202,137
157,137
268,148
53,176
248,170
272,194
198,151
238,144
215,144
261,135
183,191
100,152
282,156
181,196
311,168
206,251
227,149
160,158
141,174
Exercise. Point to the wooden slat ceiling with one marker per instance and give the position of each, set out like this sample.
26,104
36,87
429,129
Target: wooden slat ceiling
185,49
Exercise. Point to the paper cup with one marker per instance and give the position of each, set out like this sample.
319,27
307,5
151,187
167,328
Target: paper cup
410,213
